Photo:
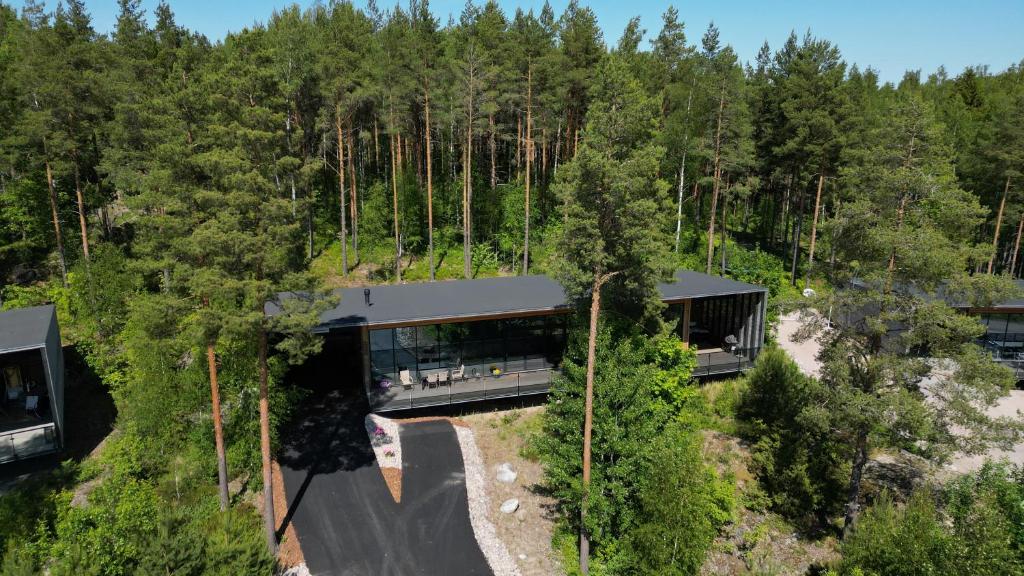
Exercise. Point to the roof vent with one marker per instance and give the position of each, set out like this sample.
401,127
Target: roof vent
366,296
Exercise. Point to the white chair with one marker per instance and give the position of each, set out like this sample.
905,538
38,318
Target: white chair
442,378
431,380
459,373
406,379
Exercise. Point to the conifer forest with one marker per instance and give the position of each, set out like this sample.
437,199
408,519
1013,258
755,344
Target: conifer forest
159,187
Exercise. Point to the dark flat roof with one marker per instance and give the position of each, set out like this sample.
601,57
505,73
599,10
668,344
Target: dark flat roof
425,302
25,327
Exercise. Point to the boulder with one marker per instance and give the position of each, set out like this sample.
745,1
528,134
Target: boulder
506,474
509,506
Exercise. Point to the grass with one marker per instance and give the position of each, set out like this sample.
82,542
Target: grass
723,398
525,427
376,261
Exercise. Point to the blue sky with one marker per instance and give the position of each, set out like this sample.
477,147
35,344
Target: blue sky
891,36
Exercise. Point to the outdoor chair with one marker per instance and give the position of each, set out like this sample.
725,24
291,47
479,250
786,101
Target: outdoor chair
431,380
32,405
406,379
442,378
459,373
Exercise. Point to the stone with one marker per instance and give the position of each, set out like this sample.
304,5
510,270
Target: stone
509,506
522,556
506,474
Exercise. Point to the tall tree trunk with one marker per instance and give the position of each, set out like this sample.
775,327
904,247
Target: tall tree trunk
588,410
376,146
430,182
892,255
269,524
529,159
814,228
218,430
860,459
999,222
682,167
519,145
56,221
796,240
1016,247
353,212
81,211
467,198
725,226
718,182
558,145
394,199
493,145
341,194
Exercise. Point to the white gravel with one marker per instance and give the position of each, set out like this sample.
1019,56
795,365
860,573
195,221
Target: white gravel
494,550
387,447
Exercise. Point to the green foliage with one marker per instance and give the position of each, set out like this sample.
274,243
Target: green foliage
917,539
644,443
682,505
794,454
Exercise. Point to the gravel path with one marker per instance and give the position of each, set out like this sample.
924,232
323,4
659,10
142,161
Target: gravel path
805,354
494,550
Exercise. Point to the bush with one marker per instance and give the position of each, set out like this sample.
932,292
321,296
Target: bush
683,503
795,458
917,539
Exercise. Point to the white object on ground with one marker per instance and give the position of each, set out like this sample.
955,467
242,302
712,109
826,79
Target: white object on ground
297,570
387,445
494,549
509,506
505,473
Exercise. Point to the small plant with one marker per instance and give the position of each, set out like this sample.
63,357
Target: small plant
389,453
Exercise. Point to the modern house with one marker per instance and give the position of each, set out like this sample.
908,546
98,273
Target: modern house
1004,334
32,369
425,344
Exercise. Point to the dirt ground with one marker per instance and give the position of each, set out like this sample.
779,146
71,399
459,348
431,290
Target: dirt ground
501,435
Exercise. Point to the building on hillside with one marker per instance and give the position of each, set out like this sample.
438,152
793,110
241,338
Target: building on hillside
1004,331
434,343
32,372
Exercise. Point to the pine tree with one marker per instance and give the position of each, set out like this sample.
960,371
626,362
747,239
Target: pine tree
610,194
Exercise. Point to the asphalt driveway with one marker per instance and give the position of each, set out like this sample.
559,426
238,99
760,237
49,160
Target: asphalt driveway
345,518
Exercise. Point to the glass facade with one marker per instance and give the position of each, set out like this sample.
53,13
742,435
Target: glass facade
1004,338
442,363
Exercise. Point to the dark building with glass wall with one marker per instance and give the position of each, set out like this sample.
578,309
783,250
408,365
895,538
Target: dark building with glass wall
1004,331
426,344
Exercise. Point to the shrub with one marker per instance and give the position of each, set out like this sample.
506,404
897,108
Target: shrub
794,455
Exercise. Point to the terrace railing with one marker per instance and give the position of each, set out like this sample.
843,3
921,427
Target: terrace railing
714,363
469,389
27,442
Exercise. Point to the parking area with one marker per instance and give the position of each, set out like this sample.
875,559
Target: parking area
346,520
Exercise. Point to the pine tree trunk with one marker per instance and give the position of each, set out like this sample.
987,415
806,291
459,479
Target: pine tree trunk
353,211
595,310
269,524
56,222
467,198
218,431
860,459
718,182
493,146
394,199
725,226
796,240
341,194
814,228
376,147
1016,247
519,145
999,222
529,159
430,182
81,212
